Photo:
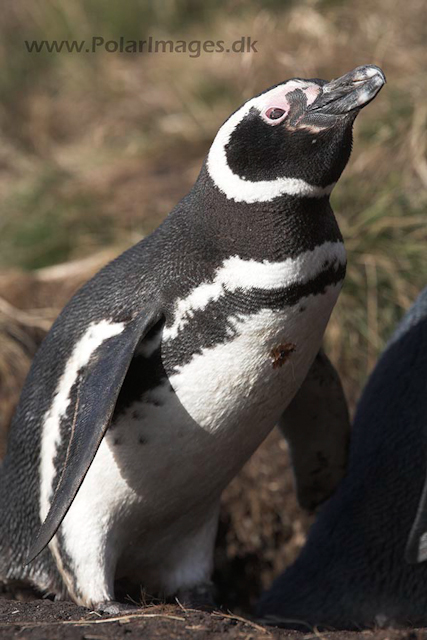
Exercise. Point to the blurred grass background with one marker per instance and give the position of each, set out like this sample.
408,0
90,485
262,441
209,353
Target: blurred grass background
97,148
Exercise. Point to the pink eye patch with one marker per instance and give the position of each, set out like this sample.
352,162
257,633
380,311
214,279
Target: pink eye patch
275,106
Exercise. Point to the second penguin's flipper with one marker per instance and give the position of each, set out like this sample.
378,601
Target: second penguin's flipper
317,427
99,385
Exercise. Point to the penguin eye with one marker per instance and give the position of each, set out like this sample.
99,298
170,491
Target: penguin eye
274,115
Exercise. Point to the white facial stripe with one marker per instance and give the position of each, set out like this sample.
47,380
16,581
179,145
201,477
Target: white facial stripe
310,90
95,335
241,190
236,273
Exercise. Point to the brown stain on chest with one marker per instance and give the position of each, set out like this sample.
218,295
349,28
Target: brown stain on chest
280,354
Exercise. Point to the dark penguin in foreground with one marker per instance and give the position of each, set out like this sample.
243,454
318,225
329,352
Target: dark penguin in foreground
358,569
167,370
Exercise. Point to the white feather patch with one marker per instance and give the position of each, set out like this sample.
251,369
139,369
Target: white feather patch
234,385
95,335
103,494
236,273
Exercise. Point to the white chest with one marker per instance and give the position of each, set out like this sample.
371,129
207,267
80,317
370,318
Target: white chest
250,380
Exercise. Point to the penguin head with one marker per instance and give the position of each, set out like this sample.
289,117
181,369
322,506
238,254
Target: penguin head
294,138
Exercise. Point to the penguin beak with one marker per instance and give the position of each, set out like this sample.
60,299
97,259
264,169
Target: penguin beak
351,92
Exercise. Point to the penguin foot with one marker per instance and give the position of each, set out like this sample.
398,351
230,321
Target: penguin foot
199,597
114,608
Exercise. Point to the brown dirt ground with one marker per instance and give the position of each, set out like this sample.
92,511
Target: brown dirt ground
47,620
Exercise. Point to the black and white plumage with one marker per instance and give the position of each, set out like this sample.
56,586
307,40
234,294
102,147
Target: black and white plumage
166,370
364,561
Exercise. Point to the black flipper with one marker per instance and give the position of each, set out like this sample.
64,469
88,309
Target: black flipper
416,547
97,394
316,425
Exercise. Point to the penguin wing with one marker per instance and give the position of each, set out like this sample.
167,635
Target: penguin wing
316,425
99,387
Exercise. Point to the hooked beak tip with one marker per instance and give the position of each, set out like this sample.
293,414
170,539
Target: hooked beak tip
351,91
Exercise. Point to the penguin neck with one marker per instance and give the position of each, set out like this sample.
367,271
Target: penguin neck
283,227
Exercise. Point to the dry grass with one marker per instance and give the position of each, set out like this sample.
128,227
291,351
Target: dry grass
20,335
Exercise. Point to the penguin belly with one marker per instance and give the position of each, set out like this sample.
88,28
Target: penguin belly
148,506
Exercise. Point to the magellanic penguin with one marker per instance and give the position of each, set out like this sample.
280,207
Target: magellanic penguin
357,569
167,370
